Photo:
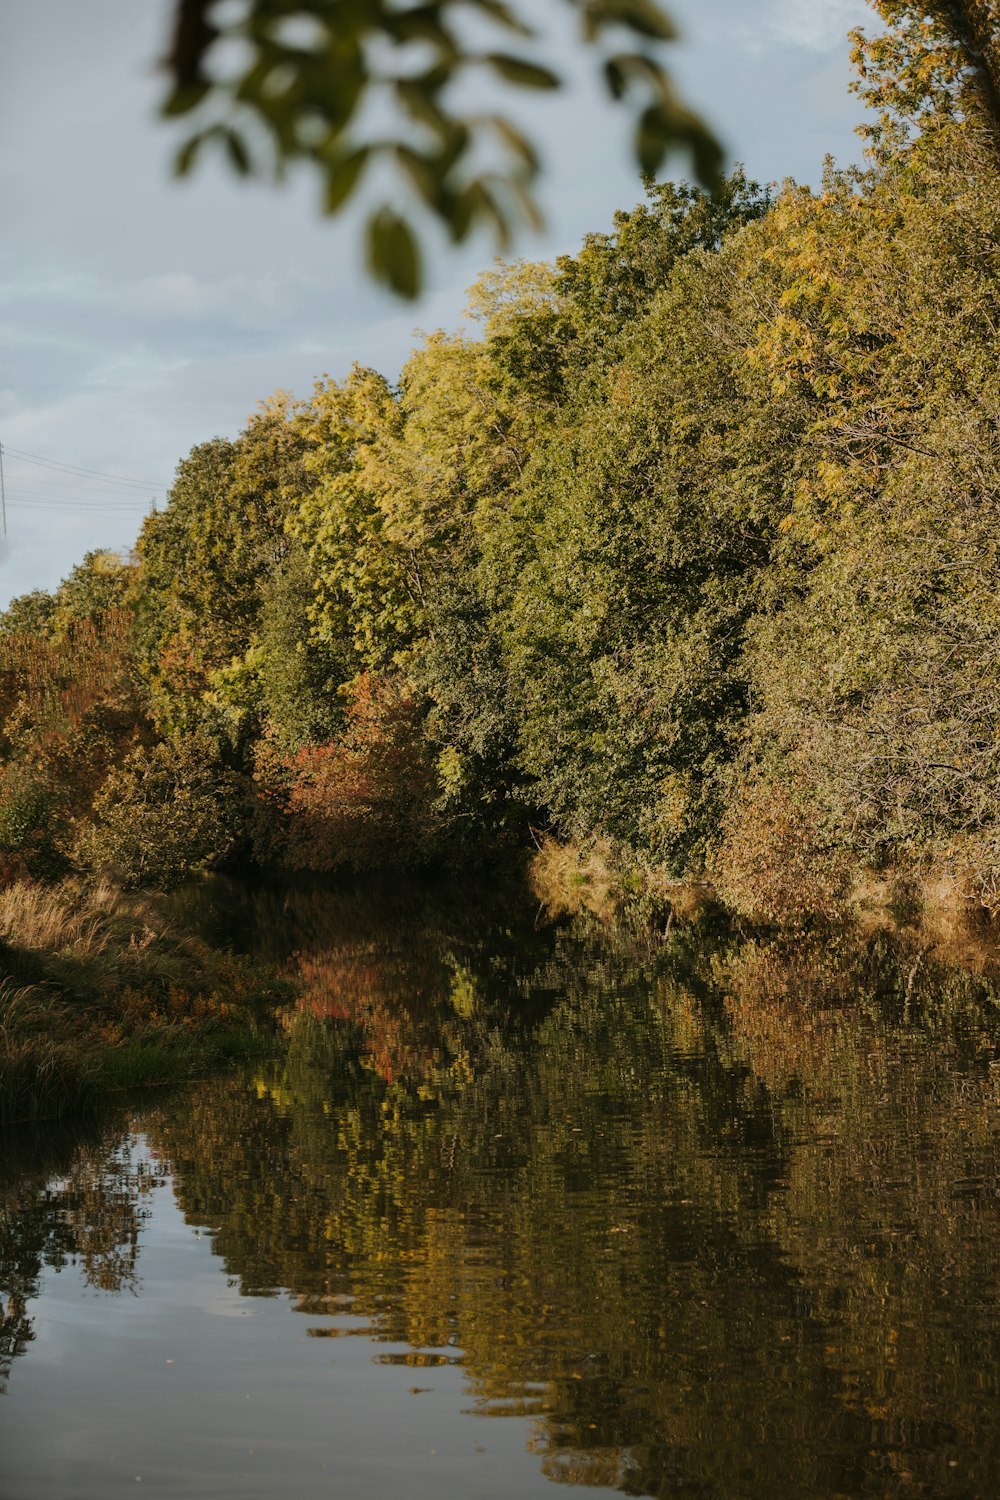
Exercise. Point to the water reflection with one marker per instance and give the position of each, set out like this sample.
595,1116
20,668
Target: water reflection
720,1220
70,1195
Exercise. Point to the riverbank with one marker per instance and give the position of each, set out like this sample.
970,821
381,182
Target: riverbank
927,914
99,992
102,990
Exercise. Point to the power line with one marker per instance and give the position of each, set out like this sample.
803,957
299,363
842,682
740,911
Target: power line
77,469
32,482
125,508
17,487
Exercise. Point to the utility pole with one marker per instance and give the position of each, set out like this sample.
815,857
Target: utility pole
3,496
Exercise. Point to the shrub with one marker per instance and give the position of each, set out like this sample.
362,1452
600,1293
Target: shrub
369,800
27,824
163,814
775,864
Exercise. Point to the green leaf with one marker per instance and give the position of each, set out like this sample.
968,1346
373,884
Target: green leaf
423,172
184,99
421,25
462,214
653,137
644,17
614,77
503,15
393,252
517,143
530,211
627,67
519,70
185,158
706,153
237,152
420,104
342,175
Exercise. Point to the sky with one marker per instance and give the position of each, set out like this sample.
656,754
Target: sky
140,315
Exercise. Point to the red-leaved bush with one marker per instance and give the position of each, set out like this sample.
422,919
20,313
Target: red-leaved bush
368,801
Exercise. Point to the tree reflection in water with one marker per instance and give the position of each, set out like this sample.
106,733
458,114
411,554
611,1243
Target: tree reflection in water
69,1195
721,1217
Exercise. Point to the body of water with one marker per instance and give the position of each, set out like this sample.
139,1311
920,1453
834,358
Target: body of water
520,1204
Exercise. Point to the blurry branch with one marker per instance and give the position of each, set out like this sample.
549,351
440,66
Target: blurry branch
310,70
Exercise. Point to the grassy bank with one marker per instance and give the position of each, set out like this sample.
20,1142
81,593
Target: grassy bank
928,911
98,992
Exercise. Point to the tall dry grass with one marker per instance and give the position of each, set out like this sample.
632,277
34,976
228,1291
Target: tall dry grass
572,878
60,919
97,989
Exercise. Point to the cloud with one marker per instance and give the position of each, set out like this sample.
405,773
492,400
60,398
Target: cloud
817,25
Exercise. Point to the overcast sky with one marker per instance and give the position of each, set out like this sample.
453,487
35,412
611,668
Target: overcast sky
140,316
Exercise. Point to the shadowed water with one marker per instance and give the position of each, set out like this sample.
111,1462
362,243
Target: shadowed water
518,1205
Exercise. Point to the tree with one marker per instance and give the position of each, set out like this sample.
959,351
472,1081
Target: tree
206,559
163,813
314,69
939,59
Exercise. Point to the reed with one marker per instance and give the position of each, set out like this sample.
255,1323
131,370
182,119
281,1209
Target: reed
99,992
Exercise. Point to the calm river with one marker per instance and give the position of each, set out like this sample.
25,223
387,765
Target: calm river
519,1205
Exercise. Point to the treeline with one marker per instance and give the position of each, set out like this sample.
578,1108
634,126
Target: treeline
692,547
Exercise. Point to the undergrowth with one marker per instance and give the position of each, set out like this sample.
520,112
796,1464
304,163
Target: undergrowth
99,992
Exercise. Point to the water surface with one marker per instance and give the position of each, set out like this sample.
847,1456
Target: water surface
520,1204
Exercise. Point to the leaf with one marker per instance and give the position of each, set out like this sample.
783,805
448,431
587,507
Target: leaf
519,70
423,172
614,77
634,66
644,17
185,158
665,125
653,136
503,15
185,98
420,104
342,175
421,25
707,154
237,152
474,204
516,142
393,252
530,211
462,214
490,207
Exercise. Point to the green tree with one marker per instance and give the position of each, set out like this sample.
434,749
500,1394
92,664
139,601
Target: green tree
207,558
875,689
28,614
626,566
163,813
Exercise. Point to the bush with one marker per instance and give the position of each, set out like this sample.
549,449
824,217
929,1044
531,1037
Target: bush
166,812
775,863
27,825
369,800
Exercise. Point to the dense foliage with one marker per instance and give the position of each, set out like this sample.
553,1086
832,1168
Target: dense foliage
689,546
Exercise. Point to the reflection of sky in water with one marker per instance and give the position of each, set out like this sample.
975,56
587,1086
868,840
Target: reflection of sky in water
192,1389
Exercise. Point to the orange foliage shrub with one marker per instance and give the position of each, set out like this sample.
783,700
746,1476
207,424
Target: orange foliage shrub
775,864
368,801
70,708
